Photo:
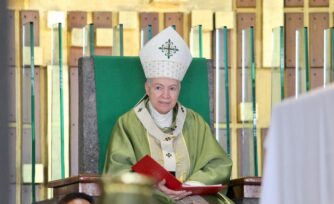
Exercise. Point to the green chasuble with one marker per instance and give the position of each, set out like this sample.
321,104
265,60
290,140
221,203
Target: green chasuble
209,164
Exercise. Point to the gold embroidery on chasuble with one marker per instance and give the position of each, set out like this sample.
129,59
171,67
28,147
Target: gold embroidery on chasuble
181,154
169,149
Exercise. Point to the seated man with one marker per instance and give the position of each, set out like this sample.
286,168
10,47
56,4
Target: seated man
176,137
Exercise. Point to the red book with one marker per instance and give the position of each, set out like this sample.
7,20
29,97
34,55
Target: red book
149,167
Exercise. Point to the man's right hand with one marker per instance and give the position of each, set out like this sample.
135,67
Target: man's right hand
175,195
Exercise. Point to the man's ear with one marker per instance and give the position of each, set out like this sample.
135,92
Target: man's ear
147,88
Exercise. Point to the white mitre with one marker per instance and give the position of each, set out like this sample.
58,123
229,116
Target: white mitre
165,55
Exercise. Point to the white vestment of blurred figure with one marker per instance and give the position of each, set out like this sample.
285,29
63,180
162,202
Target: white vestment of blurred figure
299,160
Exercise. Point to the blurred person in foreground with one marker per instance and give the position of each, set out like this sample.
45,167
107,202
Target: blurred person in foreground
77,198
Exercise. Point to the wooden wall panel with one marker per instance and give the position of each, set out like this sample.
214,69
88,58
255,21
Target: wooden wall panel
292,22
26,96
12,193
31,16
246,3
174,18
75,54
244,21
264,132
37,105
11,38
202,17
12,154
26,146
26,103
316,77
150,18
294,3
289,83
74,121
239,91
222,92
26,135
222,139
319,3
318,23
26,193
76,19
12,94
129,19
102,19
245,153
104,51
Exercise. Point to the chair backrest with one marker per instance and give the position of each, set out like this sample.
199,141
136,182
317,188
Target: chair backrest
119,85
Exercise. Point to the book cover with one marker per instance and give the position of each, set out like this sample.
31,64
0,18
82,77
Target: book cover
149,167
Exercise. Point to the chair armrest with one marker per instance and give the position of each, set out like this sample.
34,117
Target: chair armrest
245,187
84,183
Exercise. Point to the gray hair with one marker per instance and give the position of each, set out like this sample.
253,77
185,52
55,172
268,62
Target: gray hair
149,82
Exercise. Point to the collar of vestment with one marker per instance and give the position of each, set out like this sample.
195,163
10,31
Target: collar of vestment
162,120
149,124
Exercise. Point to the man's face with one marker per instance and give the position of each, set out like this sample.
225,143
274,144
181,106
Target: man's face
163,93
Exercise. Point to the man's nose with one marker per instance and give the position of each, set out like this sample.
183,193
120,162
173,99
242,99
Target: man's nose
166,94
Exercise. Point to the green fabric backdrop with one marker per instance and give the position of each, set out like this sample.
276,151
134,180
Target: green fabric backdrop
120,85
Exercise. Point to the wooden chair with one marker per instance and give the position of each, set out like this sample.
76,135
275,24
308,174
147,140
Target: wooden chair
108,87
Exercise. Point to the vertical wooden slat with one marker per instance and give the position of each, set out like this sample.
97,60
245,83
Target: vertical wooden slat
26,145
318,23
245,153
264,132
316,77
11,38
239,91
37,114
31,16
54,134
244,21
12,94
74,121
26,92
12,155
26,136
292,22
289,82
